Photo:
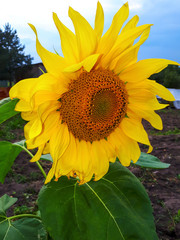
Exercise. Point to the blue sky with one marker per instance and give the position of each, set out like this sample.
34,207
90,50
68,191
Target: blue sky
163,42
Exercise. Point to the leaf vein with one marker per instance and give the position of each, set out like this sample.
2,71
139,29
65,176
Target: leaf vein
107,209
75,208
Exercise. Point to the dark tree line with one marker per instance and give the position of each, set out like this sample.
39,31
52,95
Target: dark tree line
169,77
12,54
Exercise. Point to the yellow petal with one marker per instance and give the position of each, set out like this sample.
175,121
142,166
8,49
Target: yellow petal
148,115
152,86
49,176
144,99
88,63
86,37
160,90
83,166
53,63
46,108
151,104
35,129
46,149
59,141
67,163
131,24
135,151
109,38
129,56
140,94
27,128
100,160
110,151
128,150
144,69
124,41
49,127
68,41
51,173
23,106
43,96
25,89
99,21
134,129
122,151
29,115
68,160
38,154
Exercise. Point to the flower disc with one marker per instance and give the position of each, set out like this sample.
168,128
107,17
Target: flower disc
94,105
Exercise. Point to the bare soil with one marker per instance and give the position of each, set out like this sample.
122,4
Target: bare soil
163,186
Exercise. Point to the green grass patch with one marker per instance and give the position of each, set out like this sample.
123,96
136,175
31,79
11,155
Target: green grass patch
8,130
169,132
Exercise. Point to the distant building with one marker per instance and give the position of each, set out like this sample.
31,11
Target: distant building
176,94
29,71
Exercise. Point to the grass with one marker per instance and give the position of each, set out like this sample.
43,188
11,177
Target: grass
169,132
8,130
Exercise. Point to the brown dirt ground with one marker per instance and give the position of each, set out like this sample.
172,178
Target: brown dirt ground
163,186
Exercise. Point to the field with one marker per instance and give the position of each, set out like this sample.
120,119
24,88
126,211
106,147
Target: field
163,186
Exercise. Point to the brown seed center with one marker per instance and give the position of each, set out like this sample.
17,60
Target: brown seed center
94,105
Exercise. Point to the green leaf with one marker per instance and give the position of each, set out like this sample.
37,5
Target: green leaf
4,100
46,157
150,161
114,208
22,229
8,153
21,143
5,203
7,109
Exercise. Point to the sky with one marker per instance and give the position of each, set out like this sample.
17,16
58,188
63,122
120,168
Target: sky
163,42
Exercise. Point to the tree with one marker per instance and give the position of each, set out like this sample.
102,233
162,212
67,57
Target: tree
172,77
12,53
169,77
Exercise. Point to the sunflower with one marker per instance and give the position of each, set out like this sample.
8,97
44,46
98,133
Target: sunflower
87,110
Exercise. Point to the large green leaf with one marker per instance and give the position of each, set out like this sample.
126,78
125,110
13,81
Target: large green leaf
114,208
22,229
7,109
46,157
150,161
5,203
8,153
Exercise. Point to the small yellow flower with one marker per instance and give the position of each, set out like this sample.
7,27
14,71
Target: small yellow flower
87,109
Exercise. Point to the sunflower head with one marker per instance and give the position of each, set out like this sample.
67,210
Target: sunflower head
94,105
88,108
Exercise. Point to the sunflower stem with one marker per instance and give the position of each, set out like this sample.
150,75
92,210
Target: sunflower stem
23,215
38,164
41,169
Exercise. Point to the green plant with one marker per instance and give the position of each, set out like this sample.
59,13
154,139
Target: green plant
169,132
22,209
176,217
9,128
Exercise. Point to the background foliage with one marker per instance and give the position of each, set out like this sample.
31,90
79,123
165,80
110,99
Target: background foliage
12,54
169,77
